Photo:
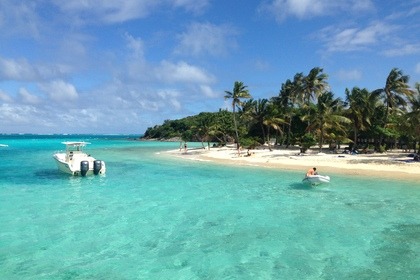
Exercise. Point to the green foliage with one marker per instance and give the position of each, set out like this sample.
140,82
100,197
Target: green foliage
250,143
306,113
307,140
381,149
214,127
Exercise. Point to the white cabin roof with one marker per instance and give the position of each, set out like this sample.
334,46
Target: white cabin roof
75,143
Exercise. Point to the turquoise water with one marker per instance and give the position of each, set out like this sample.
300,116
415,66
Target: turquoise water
153,217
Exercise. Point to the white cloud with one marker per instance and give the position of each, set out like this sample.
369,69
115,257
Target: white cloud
418,68
4,97
406,49
196,6
135,67
170,96
206,38
110,11
27,97
355,38
349,75
83,118
261,65
19,17
60,91
135,45
16,70
17,114
208,91
107,11
182,72
22,70
304,9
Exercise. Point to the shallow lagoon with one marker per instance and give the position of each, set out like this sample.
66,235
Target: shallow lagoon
152,217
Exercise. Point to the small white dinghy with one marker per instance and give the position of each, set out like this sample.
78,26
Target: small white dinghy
316,179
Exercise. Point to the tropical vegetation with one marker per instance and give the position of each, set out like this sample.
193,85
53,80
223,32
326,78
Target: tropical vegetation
305,112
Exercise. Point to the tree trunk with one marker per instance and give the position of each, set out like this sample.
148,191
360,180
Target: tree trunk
236,129
263,132
289,132
321,139
355,135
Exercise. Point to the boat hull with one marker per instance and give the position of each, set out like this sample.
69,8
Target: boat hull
316,179
73,167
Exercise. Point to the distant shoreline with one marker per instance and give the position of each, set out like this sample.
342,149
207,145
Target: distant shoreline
391,165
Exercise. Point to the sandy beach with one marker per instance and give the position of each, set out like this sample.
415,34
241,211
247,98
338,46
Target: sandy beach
395,164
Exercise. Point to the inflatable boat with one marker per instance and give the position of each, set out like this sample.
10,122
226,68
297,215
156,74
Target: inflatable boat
316,179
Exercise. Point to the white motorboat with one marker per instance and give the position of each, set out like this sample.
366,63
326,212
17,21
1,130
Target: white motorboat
76,162
316,179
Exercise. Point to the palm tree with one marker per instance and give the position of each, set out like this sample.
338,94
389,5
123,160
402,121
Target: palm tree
327,115
222,126
285,102
413,117
395,92
361,106
309,88
271,119
239,92
314,84
205,127
255,110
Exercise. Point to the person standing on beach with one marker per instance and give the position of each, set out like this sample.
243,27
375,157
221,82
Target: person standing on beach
311,172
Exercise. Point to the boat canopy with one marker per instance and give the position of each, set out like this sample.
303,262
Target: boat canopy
74,145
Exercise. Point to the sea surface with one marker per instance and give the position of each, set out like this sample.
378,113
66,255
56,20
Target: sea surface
156,217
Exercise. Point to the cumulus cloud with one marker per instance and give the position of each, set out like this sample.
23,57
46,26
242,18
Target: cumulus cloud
11,69
135,46
171,97
355,38
182,72
60,91
304,9
27,97
17,114
206,38
23,70
4,97
208,91
135,68
83,117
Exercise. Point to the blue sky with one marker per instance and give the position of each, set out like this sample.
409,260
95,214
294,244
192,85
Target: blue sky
108,66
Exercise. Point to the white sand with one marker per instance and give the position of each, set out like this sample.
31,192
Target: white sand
388,165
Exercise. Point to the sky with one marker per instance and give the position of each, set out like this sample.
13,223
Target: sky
119,67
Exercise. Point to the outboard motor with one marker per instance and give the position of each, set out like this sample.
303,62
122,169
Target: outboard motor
97,166
84,167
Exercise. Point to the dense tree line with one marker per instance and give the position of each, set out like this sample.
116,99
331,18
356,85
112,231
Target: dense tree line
305,112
